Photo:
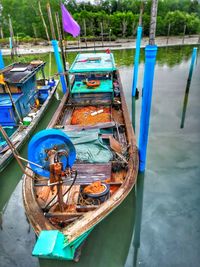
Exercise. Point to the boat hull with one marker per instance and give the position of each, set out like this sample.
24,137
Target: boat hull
81,227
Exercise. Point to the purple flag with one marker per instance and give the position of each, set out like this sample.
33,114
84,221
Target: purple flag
69,24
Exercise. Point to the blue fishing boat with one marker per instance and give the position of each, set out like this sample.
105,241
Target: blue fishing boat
85,164
23,100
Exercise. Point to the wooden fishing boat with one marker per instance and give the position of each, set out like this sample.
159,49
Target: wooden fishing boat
84,165
24,97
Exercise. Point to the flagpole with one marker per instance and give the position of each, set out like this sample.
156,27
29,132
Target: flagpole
54,43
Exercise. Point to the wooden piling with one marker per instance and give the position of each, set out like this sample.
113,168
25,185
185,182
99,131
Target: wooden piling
184,30
85,32
43,20
53,33
168,32
101,25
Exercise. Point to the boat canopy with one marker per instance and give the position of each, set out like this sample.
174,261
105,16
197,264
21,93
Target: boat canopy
93,62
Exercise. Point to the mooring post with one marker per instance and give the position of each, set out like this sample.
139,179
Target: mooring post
137,51
187,89
136,63
59,65
194,56
135,72
136,60
150,60
168,33
184,29
1,61
54,43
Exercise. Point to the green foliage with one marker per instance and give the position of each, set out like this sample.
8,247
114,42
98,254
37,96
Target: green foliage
119,16
178,19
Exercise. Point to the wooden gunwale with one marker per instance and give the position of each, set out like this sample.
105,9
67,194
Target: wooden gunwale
24,134
91,218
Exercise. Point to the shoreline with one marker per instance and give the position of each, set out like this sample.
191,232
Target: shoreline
28,49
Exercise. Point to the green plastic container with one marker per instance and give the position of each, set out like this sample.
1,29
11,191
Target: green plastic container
27,121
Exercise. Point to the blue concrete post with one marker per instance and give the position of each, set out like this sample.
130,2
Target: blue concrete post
136,60
194,55
150,60
1,61
59,65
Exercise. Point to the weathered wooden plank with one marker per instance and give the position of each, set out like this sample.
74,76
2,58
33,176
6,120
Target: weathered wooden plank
67,117
91,171
64,215
82,127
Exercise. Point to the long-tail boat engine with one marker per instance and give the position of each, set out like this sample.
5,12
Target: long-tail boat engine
51,155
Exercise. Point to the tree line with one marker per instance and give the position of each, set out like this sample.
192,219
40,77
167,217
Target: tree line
118,18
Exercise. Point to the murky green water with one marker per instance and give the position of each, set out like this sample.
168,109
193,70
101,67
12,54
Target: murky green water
173,165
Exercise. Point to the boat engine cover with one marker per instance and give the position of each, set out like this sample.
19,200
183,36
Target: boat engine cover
44,141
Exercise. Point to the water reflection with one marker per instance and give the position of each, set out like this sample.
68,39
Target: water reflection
185,103
167,161
169,56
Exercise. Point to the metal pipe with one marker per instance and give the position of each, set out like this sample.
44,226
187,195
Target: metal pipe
28,161
136,60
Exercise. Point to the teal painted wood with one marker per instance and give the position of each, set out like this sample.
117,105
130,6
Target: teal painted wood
52,244
104,87
91,62
105,246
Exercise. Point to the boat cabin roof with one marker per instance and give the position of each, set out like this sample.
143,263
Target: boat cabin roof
18,73
93,62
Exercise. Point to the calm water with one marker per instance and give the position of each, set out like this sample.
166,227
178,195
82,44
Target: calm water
171,197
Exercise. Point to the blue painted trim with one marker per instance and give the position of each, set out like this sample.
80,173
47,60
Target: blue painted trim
194,55
150,60
1,61
136,60
59,65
